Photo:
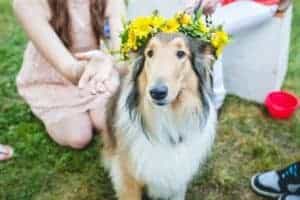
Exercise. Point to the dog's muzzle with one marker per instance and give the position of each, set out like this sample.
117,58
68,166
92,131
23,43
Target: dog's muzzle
159,93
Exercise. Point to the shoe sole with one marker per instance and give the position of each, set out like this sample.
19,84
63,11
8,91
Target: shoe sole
262,192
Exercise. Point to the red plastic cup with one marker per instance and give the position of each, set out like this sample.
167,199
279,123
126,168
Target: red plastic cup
281,104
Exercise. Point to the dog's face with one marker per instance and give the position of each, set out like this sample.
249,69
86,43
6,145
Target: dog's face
171,65
166,63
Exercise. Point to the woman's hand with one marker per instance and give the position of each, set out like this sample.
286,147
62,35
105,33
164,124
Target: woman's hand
209,6
99,75
284,5
74,71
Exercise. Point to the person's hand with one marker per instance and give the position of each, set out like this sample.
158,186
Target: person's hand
284,5
74,70
209,6
99,75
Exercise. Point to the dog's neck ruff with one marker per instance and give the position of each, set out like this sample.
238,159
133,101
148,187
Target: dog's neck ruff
166,129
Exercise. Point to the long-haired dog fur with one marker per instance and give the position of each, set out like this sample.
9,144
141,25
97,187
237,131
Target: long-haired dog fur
162,123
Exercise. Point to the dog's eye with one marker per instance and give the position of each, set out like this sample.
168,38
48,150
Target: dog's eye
180,54
150,53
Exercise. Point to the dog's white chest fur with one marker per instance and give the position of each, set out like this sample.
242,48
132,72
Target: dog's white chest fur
167,169
168,162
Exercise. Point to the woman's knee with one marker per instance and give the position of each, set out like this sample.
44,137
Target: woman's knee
75,131
80,139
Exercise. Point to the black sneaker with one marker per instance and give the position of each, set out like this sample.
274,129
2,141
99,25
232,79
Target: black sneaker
277,183
291,196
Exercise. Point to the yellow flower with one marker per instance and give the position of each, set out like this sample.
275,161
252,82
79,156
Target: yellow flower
202,26
183,18
157,21
132,40
139,30
171,26
219,40
141,26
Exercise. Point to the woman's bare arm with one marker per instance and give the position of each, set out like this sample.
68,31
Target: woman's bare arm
34,17
116,11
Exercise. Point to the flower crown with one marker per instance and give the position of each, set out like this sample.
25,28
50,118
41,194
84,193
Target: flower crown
138,31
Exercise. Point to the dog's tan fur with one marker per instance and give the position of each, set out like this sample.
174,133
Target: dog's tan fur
182,82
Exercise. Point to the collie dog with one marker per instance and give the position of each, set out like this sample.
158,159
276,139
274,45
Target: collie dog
162,123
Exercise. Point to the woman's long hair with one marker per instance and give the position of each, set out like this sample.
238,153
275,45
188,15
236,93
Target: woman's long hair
61,19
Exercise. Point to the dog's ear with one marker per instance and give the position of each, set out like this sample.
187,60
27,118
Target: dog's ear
137,67
133,97
203,58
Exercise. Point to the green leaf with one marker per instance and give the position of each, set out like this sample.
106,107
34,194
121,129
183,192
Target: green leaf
199,13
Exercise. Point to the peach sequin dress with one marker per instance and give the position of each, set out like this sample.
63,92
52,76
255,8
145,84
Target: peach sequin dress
51,96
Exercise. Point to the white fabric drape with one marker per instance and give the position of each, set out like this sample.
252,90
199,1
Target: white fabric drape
242,15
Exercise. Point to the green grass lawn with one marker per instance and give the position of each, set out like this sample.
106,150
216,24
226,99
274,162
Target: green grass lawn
248,141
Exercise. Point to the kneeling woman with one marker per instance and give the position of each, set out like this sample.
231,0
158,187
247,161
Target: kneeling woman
65,78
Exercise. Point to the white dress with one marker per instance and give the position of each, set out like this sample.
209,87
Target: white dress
235,18
168,8
242,15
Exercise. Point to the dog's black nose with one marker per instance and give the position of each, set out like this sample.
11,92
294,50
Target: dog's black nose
159,92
